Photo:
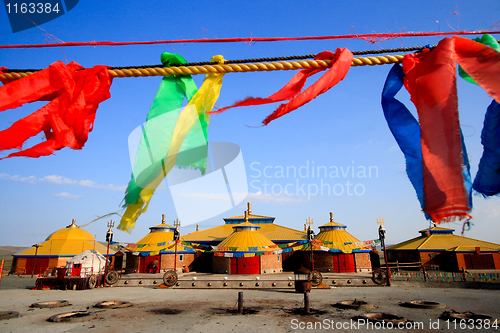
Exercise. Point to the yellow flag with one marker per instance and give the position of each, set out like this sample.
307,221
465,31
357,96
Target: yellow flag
201,103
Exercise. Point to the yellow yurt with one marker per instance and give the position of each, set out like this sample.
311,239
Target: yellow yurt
57,248
438,248
276,233
246,251
344,255
153,253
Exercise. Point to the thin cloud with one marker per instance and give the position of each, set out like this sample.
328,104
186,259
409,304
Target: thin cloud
17,178
67,195
60,180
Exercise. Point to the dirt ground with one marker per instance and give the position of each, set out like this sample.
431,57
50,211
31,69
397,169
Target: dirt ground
176,310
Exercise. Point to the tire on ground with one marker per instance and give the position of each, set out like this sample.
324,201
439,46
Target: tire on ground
112,304
8,314
49,304
72,317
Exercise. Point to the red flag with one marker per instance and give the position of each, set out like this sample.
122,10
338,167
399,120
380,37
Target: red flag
74,94
430,78
339,66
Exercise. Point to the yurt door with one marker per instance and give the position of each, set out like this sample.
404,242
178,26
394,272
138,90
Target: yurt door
40,266
246,265
346,263
249,265
343,263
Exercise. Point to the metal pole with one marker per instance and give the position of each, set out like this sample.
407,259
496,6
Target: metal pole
240,302
307,306
175,258
34,261
109,239
1,269
312,256
106,266
386,265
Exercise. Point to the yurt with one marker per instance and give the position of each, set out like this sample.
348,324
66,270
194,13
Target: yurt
57,248
276,233
87,263
154,248
343,257
246,251
438,248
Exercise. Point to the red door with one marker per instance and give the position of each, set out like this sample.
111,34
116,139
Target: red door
245,265
40,266
76,270
147,264
335,266
234,266
343,263
350,266
479,261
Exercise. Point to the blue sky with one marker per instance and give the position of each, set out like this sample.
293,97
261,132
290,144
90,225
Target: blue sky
343,128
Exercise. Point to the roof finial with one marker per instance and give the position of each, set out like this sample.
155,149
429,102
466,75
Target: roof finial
249,209
162,218
331,217
196,227
246,216
380,221
309,222
73,224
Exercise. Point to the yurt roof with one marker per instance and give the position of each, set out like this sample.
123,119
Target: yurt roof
273,232
442,242
157,240
246,235
72,231
66,242
337,236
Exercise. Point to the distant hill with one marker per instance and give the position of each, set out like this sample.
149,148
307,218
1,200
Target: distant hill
7,251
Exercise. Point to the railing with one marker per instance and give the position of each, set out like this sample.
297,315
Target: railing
397,266
446,276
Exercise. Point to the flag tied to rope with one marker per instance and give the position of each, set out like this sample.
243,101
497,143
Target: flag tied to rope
171,138
340,63
430,78
73,92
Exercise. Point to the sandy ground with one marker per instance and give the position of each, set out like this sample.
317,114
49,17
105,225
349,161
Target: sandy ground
169,310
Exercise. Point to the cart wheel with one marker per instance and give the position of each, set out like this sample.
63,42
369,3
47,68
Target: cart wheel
379,276
315,277
112,277
92,282
170,278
